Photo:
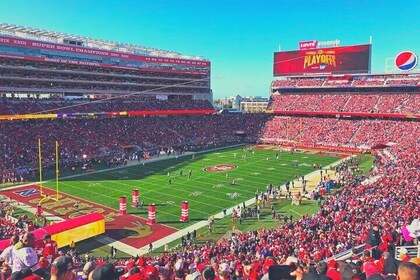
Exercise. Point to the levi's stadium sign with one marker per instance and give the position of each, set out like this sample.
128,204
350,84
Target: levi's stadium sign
314,44
335,60
308,45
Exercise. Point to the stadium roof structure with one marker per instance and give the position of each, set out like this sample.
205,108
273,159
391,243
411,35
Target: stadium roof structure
64,38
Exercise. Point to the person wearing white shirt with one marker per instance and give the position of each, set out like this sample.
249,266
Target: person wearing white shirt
7,256
24,255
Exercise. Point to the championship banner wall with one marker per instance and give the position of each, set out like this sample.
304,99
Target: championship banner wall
336,60
104,65
103,53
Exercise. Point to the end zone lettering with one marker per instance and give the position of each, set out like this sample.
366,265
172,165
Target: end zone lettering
27,192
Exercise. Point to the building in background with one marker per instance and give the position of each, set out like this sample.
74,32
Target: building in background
255,104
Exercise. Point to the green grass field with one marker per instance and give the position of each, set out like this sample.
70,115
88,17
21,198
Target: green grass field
207,193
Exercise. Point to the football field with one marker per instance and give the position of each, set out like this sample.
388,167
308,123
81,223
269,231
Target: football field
208,190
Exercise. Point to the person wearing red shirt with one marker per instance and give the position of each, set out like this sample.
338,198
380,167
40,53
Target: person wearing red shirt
332,270
404,255
50,250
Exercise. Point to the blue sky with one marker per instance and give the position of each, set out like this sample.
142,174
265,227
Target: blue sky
239,37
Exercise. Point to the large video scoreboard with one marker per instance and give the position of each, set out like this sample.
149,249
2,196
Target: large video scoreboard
335,60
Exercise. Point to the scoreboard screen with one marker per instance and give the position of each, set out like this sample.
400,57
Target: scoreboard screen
336,60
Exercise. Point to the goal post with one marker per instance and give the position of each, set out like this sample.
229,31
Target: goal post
45,196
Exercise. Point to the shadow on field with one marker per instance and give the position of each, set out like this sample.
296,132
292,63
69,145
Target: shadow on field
146,169
118,234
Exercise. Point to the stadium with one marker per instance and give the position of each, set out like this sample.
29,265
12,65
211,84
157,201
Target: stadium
113,156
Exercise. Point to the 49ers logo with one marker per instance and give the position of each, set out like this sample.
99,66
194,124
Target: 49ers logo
220,168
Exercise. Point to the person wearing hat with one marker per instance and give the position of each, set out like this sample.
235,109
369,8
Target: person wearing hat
62,269
24,255
404,255
105,272
193,276
332,270
224,272
348,270
371,271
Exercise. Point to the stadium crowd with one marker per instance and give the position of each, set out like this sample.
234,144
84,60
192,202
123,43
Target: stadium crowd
347,80
398,103
104,138
10,106
359,212
355,214
339,132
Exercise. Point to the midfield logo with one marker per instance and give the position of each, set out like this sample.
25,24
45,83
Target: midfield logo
220,168
27,192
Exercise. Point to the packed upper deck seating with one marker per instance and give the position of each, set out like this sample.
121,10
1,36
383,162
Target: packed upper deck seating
398,103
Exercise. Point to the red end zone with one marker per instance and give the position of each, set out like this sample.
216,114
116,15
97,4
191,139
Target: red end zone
129,229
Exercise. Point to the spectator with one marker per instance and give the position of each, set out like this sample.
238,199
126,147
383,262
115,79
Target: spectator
373,238
105,272
50,250
408,271
319,273
208,273
7,255
62,269
390,264
24,255
87,269
404,255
